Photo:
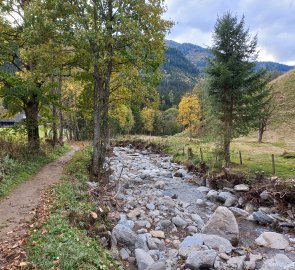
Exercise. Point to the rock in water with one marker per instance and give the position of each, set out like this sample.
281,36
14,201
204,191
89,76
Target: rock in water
124,235
201,259
278,262
223,223
272,240
143,259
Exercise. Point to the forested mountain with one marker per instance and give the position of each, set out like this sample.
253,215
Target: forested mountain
179,76
185,63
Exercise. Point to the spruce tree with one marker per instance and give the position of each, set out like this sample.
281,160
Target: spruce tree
235,87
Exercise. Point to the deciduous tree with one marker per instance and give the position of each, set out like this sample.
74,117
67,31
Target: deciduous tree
189,112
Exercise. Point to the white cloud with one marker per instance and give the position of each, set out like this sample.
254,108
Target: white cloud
273,20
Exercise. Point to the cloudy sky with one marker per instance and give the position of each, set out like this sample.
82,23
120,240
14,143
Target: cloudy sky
272,20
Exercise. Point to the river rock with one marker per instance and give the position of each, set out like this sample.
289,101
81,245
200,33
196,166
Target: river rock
278,262
262,217
143,259
236,263
179,222
155,244
124,235
157,266
134,213
165,223
198,220
160,184
158,234
238,212
241,187
264,195
201,259
212,195
223,223
223,196
141,242
150,206
216,242
190,244
124,254
272,240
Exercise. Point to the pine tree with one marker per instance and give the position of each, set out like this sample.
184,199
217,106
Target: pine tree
234,86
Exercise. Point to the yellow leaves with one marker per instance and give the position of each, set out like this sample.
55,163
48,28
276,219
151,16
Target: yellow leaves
124,116
148,116
189,110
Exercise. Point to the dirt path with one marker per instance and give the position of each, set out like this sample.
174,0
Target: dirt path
18,207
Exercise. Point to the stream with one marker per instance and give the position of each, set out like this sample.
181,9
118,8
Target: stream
168,222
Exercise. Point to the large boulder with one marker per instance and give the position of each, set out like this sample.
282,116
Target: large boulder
278,262
272,240
124,235
143,259
223,223
201,259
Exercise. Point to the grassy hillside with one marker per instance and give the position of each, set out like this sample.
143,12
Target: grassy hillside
283,119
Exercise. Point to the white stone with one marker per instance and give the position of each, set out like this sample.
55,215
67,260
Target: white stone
241,187
278,262
272,240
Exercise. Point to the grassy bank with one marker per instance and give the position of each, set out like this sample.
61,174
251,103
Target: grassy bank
63,241
19,167
255,156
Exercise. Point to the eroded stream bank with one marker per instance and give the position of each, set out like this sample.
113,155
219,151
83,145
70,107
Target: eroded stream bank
168,223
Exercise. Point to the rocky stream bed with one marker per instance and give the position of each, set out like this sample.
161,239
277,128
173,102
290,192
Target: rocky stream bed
167,222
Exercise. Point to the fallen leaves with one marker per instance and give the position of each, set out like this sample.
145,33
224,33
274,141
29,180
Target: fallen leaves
12,249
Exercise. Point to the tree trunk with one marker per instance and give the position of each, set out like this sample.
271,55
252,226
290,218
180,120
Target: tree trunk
54,116
97,108
260,135
226,150
45,130
61,118
31,109
54,125
190,133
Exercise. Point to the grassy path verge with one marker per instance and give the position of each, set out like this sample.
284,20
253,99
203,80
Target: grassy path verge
14,172
64,240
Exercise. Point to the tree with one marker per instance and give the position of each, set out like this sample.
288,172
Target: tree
234,86
124,117
189,112
112,37
171,126
148,118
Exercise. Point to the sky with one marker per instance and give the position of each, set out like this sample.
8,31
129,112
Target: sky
272,20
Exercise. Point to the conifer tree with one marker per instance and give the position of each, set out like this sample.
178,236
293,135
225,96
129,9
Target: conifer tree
234,85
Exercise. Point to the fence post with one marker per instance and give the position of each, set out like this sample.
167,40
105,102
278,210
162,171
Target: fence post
189,153
273,164
201,153
241,160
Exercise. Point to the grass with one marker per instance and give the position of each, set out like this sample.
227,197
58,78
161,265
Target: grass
256,156
14,171
61,243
